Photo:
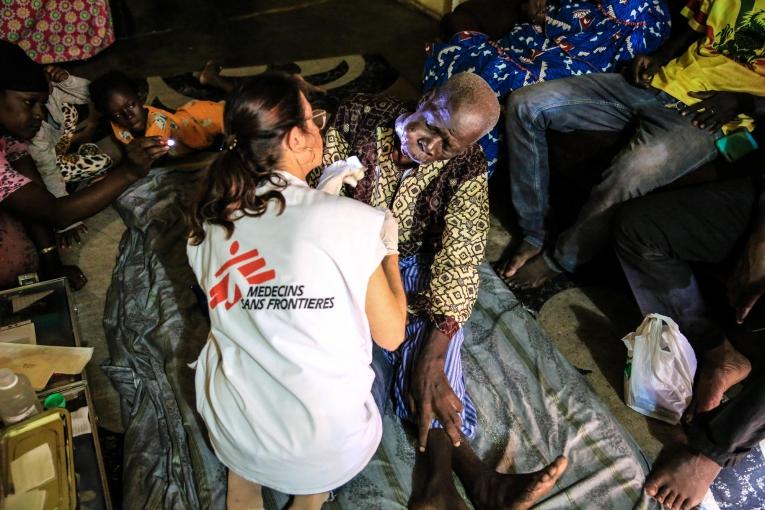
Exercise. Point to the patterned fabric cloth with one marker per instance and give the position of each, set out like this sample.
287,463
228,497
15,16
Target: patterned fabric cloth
50,146
195,124
442,208
57,30
731,57
578,37
16,249
88,161
416,276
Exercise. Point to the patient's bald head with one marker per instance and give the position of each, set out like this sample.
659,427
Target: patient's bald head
448,120
473,102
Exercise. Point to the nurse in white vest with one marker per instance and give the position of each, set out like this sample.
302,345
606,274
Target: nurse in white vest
299,284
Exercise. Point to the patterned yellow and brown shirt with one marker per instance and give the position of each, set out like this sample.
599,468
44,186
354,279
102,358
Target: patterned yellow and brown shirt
442,208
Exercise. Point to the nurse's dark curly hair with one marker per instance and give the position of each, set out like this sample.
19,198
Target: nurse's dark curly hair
257,116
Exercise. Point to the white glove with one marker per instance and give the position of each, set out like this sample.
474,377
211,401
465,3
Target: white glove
389,233
346,171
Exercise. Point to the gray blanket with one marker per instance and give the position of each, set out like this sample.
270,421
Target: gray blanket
532,404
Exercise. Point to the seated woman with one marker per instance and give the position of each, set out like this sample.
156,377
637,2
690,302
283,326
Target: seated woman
192,127
62,149
28,211
296,279
565,38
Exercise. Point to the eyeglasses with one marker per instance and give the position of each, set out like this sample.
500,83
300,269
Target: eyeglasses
319,117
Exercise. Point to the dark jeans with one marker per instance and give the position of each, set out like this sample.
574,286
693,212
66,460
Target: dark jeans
657,238
665,146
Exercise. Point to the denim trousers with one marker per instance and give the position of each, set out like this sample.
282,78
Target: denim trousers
657,238
665,146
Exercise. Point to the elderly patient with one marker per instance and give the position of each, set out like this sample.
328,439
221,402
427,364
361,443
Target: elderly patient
424,165
299,283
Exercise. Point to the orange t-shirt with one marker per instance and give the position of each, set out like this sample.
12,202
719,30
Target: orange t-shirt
195,124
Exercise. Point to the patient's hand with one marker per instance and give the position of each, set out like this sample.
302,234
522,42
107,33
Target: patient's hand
430,395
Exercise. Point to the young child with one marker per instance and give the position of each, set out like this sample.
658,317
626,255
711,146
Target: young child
193,126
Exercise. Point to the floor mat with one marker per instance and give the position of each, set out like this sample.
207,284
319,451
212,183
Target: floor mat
339,76
532,404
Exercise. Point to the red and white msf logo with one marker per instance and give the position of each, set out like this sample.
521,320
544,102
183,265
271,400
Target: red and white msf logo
249,265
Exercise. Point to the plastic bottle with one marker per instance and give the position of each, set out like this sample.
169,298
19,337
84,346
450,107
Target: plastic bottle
17,398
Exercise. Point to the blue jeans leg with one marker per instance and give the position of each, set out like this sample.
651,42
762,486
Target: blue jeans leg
602,102
665,147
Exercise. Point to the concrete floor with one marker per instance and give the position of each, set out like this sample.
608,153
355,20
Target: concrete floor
586,324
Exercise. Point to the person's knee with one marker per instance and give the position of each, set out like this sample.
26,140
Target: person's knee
541,103
522,102
635,229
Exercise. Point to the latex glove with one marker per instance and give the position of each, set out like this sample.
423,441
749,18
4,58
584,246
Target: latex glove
346,171
389,233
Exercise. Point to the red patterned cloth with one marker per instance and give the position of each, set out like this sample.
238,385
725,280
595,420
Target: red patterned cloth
17,252
57,30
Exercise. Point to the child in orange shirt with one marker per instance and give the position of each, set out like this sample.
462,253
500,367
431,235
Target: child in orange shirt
193,126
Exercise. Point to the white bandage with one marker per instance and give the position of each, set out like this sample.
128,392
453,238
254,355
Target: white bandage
346,171
389,233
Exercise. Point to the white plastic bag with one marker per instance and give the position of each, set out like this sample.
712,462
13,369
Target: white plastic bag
661,364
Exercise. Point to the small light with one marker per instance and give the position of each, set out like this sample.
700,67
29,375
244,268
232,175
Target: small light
170,142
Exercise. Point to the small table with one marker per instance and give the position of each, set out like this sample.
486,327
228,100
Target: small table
52,310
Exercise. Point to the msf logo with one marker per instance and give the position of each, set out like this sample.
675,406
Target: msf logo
249,265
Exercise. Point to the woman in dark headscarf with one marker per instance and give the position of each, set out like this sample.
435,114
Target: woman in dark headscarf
28,212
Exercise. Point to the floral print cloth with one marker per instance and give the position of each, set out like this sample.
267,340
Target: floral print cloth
57,30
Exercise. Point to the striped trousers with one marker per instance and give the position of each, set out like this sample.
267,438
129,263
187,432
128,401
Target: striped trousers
415,272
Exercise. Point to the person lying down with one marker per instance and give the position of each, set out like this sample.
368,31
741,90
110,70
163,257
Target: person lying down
193,126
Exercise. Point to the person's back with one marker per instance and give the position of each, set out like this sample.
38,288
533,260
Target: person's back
287,294
297,282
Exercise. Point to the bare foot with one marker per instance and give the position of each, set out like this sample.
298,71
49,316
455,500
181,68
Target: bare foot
432,481
210,74
681,482
721,368
437,494
522,254
496,491
533,274
309,88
